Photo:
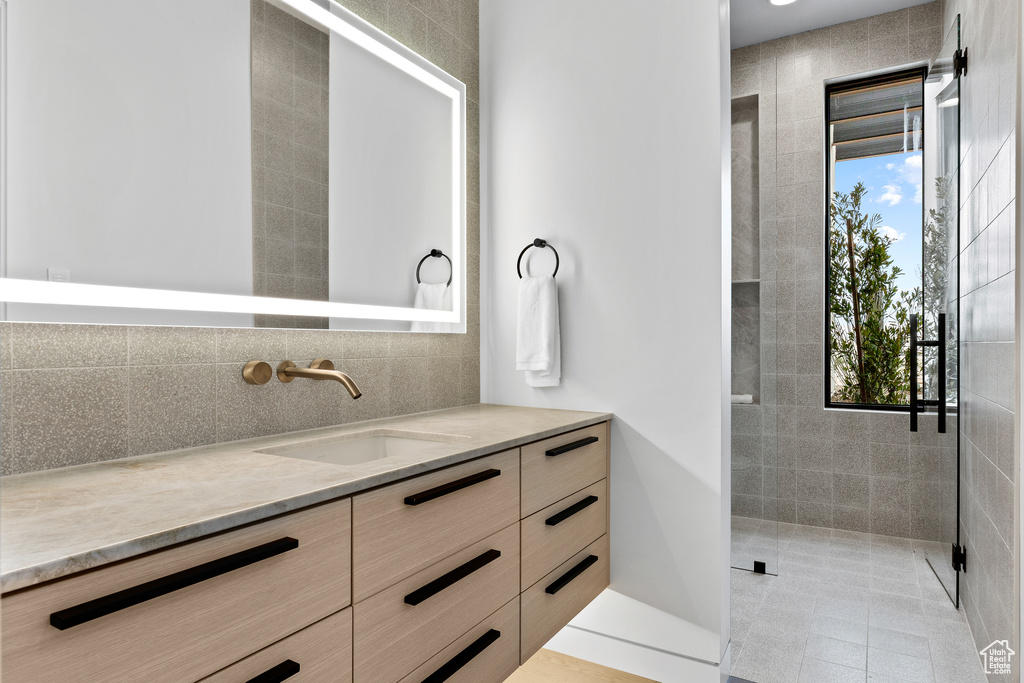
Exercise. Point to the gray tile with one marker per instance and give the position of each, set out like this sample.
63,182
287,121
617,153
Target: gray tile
306,345
171,345
5,346
890,460
814,487
42,345
407,26
814,514
373,376
817,671
89,404
245,411
840,652
7,443
410,385
237,345
850,490
898,641
852,518
469,380
445,377
907,667
171,407
371,344
840,629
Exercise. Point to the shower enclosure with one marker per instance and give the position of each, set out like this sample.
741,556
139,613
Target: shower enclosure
794,460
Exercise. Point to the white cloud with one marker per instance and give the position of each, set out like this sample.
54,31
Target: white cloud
913,162
890,167
917,194
892,233
893,195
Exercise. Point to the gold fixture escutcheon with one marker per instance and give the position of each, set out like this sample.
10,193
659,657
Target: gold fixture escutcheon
285,365
257,372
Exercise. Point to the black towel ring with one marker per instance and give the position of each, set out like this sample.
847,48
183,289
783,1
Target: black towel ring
436,253
539,243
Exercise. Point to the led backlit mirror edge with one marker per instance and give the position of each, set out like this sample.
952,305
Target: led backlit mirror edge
365,35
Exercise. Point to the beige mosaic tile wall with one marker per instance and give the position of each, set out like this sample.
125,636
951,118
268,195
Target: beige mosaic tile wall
72,394
850,470
988,372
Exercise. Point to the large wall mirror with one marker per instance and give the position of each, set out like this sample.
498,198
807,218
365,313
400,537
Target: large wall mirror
269,163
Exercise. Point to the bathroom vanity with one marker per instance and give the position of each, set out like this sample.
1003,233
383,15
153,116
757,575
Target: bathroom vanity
339,554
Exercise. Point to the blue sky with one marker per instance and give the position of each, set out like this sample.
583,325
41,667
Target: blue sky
894,191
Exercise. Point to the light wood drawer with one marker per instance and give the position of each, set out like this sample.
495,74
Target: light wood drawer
488,653
552,602
321,652
192,631
559,531
393,637
402,528
557,467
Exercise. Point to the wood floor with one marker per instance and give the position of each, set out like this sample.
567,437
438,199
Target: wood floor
548,666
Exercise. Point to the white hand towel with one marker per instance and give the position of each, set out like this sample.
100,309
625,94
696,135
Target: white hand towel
434,297
538,338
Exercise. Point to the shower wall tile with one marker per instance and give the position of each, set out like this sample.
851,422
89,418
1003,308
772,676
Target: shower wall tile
127,390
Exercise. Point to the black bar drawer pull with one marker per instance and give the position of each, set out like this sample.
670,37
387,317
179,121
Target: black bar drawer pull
454,576
571,446
568,512
108,604
281,672
463,658
563,580
451,487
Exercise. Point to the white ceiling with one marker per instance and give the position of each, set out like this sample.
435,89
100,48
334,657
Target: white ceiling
755,21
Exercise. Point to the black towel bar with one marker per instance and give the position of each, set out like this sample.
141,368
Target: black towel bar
436,253
540,244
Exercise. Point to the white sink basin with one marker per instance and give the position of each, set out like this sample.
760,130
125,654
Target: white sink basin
363,447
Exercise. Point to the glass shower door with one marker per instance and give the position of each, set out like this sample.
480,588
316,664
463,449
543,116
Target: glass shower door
939,371
755,504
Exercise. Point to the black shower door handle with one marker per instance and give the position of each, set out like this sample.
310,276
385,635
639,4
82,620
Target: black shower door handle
913,373
940,374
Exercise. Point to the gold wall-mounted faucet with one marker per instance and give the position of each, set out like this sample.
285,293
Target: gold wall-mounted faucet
320,369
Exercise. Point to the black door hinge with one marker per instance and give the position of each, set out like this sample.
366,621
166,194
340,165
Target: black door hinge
960,63
960,558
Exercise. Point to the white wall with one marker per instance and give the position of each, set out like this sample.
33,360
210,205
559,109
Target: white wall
128,147
602,131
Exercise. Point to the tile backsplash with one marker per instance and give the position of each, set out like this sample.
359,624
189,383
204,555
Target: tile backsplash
73,394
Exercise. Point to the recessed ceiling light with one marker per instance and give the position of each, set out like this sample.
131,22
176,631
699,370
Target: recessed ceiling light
781,2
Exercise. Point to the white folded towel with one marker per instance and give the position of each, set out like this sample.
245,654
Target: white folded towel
434,297
538,338
742,398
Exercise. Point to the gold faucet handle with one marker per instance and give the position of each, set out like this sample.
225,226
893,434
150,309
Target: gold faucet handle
322,364
281,374
257,372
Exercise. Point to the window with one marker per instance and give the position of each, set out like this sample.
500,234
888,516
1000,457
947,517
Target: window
875,221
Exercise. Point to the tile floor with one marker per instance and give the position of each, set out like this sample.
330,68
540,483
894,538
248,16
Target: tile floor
845,606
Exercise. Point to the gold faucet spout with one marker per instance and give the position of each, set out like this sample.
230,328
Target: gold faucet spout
320,369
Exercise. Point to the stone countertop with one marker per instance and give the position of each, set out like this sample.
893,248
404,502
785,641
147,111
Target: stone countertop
58,522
